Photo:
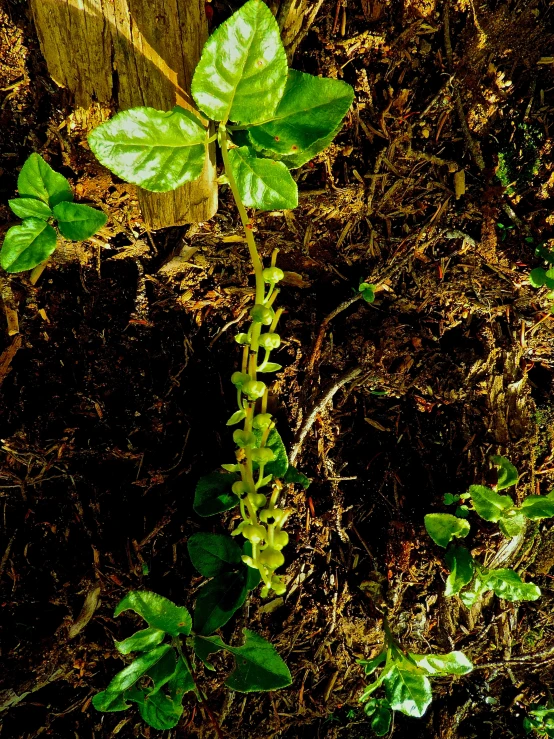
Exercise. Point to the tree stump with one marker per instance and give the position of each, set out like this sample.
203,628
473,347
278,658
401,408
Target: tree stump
117,54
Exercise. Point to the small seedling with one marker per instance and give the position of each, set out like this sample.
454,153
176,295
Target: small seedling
45,197
368,291
540,720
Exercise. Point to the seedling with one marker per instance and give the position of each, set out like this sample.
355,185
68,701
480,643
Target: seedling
268,119
405,678
540,720
45,197
465,571
368,291
163,670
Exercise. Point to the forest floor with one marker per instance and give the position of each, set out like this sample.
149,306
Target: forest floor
114,396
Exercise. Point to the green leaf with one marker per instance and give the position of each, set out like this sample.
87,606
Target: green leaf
507,473
270,367
38,180
218,600
109,702
489,505
162,672
408,690
370,665
474,592
27,245
512,524
258,666
262,183
278,468
242,73
379,712
539,277
453,663
157,150
292,475
443,527
159,612
141,641
78,222
367,291
536,507
133,672
213,554
310,110
181,681
213,494
460,563
157,709
508,585
297,160
30,208
237,417
449,499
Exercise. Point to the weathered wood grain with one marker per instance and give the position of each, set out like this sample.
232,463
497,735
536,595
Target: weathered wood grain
116,54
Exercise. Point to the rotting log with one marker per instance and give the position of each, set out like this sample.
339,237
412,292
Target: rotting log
117,54
295,18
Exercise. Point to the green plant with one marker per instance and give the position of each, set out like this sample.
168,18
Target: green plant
467,577
45,197
405,678
163,671
540,720
368,291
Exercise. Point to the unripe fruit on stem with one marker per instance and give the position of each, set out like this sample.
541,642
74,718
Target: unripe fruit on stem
254,389
271,558
263,455
273,274
269,341
261,314
259,500
262,421
244,439
242,339
278,585
239,378
280,539
272,515
239,488
253,533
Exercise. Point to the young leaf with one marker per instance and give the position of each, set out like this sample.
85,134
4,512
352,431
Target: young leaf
278,468
109,702
27,245
370,665
157,150
181,681
538,277
536,507
78,222
30,208
507,473
158,710
460,563
218,600
443,527
294,476
453,663
512,524
407,690
310,110
162,672
378,710
38,180
258,666
141,641
474,592
242,73
213,494
237,417
262,183
158,612
213,554
270,367
368,292
129,676
507,584
449,499
489,505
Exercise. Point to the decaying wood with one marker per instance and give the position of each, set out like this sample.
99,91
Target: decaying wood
116,54
295,18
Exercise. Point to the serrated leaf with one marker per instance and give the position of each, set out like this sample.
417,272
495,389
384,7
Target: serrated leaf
270,367
508,585
278,468
443,527
38,180
507,473
27,245
158,612
30,208
265,184
489,505
157,709
213,554
258,667
460,563
213,494
242,72
292,475
237,417
310,110
536,507
453,663
370,665
141,641
218,600
157,150
407,690
78,222
133,672
512,524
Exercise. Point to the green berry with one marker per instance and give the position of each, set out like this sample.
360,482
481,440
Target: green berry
254,389
259,500
239,378
244,439
242,339
261,314
254,533
273,515
262,421
271,558
270,341
280,539
273,274
263,455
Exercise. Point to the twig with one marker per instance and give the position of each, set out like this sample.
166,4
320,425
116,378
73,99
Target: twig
7,356
547,655
322,329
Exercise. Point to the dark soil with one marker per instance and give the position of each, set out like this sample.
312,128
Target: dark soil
114,396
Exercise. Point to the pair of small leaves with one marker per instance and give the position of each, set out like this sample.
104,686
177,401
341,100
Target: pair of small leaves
220,558
368,291
379,711
44,195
